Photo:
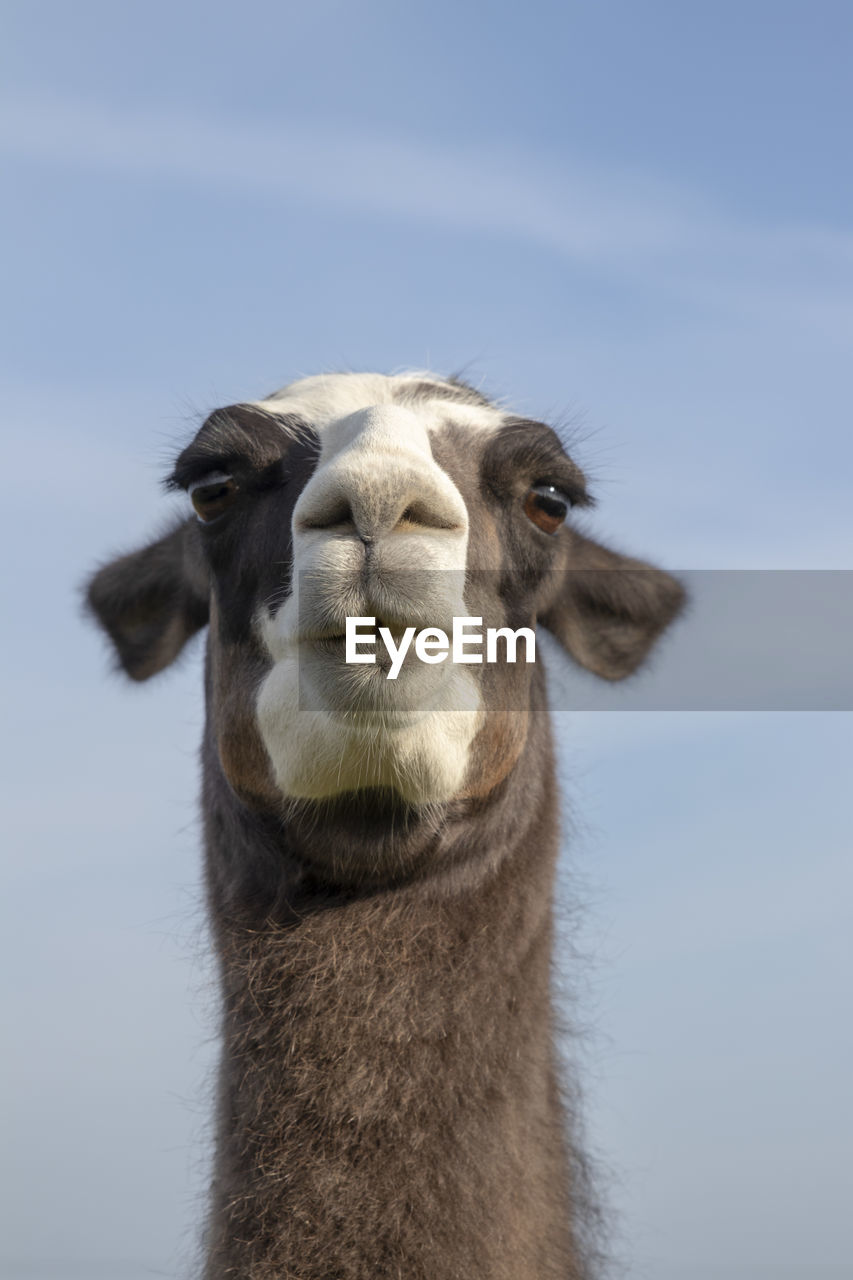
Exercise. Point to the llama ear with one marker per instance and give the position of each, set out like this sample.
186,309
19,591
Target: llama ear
152,601
610,609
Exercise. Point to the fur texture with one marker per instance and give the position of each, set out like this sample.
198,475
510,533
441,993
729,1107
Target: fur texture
390,1099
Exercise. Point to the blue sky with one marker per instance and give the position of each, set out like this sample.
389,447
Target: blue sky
633,218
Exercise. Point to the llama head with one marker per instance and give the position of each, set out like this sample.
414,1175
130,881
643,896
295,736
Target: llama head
411,500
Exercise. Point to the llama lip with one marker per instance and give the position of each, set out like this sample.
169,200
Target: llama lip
335,639
321,637
332,644
391,658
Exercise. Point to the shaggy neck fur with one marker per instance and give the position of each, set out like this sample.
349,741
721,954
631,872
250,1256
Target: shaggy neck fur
389,1096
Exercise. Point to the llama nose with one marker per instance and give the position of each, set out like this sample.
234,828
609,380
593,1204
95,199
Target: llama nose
376,496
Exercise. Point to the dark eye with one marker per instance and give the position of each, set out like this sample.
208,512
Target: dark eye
547,507
212,495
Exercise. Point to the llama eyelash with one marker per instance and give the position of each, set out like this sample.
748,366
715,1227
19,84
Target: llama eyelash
211,477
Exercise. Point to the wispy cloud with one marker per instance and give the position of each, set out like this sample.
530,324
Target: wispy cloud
490,189
639,226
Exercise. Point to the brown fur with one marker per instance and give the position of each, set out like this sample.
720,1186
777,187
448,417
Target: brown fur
390,1096
235,672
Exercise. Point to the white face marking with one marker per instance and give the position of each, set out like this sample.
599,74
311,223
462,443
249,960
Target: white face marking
329,727
325,398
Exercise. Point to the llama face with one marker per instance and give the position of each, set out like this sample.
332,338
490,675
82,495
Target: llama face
367,511
378,530
408,499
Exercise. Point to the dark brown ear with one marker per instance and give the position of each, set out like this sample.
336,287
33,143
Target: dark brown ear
152,601
610,609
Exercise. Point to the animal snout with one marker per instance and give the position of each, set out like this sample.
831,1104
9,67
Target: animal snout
374,497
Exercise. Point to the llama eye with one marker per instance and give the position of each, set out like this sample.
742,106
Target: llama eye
212,495
546,507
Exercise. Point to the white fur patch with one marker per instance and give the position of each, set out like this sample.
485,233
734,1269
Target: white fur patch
329,727
422,754
325,398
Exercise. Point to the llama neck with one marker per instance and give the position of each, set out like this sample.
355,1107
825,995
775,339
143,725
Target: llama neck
389,1103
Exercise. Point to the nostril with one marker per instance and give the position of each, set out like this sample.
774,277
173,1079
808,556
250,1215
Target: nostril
335,515
425,516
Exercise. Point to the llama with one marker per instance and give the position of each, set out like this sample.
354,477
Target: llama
380,855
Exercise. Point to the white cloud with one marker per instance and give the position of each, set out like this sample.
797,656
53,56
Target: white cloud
643,228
